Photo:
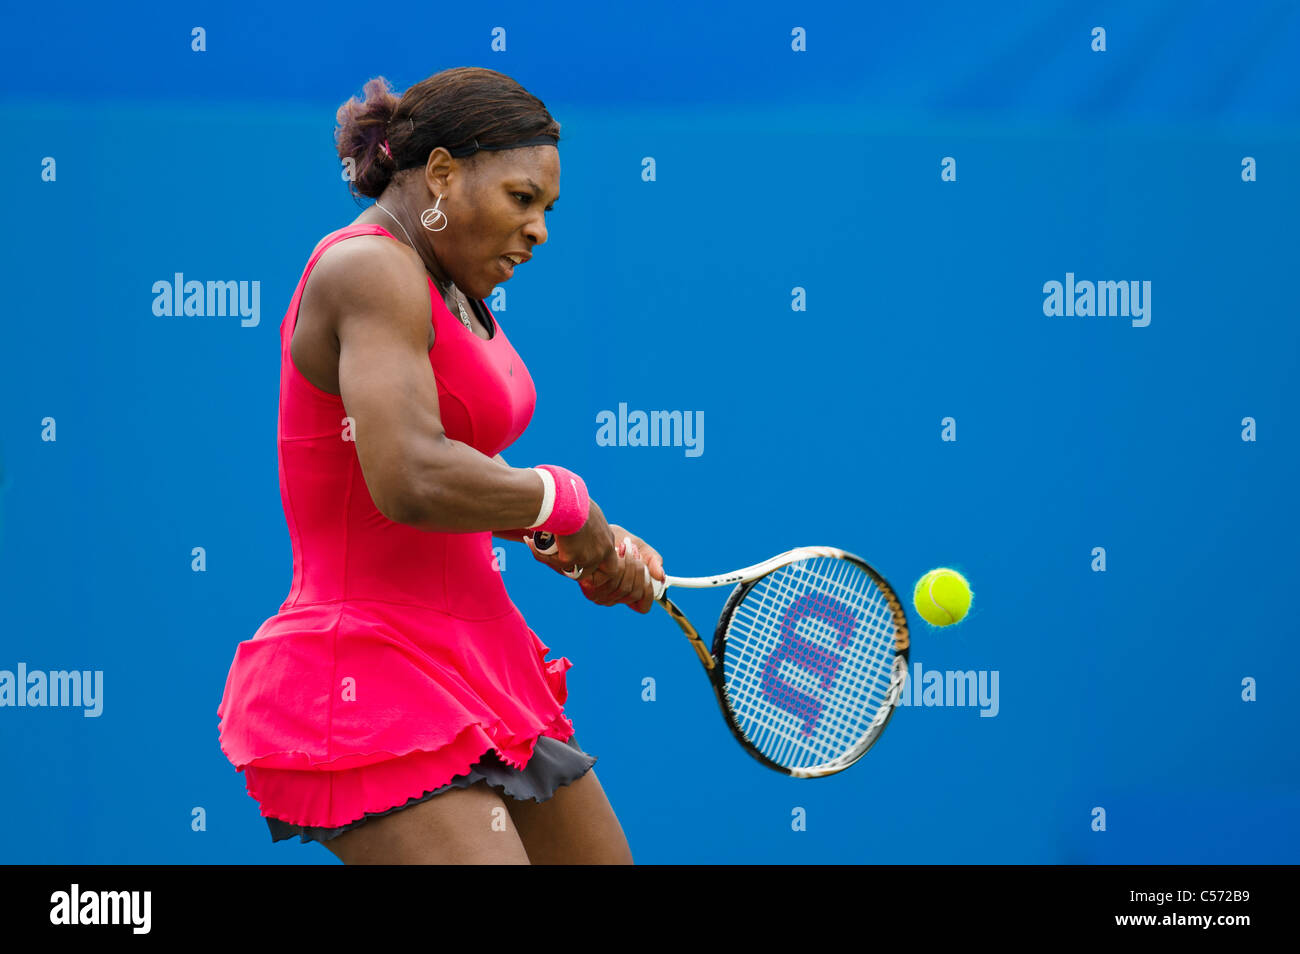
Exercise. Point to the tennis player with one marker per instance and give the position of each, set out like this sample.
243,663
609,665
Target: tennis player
398,708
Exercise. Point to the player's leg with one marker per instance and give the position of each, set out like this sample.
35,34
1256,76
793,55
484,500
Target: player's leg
575,826
462,826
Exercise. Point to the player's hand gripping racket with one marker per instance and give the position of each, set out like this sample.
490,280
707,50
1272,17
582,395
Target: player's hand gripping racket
809,656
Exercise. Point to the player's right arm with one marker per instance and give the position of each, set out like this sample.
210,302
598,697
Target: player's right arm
379,294
417,475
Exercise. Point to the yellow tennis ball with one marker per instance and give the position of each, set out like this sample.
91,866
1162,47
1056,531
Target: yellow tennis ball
942,597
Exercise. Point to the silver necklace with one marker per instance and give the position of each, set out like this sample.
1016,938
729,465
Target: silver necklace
464,318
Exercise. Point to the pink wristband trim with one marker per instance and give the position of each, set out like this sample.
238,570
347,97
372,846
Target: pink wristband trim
572,505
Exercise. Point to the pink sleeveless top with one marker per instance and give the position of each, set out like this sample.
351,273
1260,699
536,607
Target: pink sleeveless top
397,659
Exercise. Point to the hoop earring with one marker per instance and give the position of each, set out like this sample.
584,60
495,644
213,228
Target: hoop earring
429,216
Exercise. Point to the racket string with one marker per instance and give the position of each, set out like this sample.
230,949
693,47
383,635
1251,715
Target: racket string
810,659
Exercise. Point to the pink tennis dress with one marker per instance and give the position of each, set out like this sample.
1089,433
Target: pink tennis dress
397,660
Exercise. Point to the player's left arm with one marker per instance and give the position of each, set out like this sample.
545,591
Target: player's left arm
516,535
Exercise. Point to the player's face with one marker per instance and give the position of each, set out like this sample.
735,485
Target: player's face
507,198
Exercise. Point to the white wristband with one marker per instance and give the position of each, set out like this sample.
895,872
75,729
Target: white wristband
548,498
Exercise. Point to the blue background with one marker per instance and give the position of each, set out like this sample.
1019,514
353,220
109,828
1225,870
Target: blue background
775,169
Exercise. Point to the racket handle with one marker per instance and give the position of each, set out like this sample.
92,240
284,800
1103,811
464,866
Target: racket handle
544,541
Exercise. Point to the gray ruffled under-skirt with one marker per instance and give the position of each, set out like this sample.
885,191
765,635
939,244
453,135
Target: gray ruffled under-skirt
554,763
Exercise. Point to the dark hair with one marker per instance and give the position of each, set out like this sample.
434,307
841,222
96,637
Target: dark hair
450,109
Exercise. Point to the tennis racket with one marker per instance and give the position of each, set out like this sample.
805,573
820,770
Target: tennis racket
809,656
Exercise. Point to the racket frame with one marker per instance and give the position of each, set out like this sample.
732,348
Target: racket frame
715,667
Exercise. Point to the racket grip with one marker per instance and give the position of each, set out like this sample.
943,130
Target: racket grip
544,541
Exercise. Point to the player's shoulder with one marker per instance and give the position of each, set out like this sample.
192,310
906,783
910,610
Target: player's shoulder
368,262
371,273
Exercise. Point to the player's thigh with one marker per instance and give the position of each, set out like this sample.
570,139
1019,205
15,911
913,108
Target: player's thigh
462,826
575,826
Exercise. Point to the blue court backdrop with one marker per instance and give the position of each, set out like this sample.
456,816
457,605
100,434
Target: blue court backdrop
827,231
